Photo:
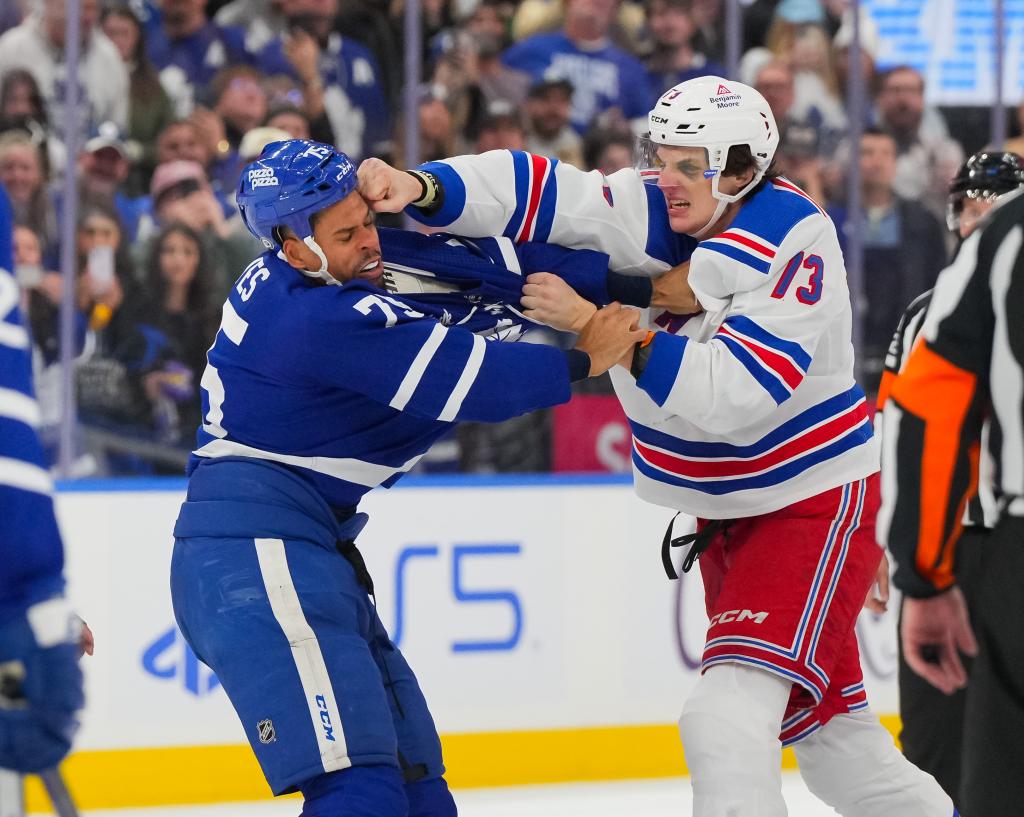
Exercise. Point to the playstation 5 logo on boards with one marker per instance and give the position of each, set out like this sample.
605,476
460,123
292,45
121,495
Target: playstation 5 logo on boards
170,658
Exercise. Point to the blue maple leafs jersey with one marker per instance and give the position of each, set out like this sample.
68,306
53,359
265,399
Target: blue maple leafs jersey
349,386
31,554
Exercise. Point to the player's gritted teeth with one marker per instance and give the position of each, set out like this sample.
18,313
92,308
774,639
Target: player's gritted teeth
372,270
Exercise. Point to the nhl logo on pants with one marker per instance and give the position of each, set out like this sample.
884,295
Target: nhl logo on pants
266,731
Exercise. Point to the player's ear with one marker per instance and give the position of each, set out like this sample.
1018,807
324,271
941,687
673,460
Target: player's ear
297,254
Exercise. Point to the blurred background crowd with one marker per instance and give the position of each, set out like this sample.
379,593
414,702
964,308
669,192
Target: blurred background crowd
175,96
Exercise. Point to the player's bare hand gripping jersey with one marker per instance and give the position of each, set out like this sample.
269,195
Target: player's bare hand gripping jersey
752,405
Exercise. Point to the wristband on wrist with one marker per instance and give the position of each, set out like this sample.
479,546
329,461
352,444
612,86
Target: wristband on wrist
641,354
429,188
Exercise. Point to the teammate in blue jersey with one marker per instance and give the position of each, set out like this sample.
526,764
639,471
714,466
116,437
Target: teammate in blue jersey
39,634
320,386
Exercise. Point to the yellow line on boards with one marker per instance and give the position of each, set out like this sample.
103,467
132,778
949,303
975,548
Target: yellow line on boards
119,778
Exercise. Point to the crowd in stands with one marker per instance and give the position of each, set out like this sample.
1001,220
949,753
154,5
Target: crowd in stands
177,95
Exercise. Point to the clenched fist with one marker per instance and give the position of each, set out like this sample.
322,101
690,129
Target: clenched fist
385,188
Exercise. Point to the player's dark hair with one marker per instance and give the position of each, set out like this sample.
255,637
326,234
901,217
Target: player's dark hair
741,159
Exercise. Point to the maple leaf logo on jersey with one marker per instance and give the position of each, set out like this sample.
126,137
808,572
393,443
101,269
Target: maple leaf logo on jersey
722,90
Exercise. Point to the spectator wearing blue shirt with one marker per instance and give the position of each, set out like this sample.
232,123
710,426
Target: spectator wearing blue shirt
340,77
674,58
604,78
189,49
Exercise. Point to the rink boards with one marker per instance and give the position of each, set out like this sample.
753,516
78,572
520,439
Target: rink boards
547,638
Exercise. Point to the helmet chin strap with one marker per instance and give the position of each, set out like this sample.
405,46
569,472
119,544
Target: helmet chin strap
321,273
724,201
722,204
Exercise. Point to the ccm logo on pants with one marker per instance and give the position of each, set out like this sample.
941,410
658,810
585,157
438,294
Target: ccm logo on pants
325,717
738,615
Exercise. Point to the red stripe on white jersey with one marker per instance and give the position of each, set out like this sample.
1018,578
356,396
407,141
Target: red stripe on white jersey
777,362
539,169
693,468
792,188
747,240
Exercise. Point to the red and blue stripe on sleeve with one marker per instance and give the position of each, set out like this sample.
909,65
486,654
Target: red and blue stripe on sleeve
777,364
746,247
536,191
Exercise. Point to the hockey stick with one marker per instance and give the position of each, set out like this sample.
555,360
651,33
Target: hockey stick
12,784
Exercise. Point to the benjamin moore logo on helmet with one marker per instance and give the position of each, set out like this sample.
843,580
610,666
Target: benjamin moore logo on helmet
263,177
724,98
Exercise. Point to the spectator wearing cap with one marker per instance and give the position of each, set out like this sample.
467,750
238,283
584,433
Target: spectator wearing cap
904,248
189,49
37,46
341,80
149,108
104,167
500,129
673,57
927,156
181,192
548,130
606,80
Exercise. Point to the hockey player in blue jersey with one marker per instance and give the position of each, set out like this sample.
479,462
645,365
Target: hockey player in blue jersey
320,386
746,416
39,635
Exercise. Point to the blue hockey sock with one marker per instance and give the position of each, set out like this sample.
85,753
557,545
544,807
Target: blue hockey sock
360,791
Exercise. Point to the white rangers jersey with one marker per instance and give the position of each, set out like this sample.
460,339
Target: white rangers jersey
741,410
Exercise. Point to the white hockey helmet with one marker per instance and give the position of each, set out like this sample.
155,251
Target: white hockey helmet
715,114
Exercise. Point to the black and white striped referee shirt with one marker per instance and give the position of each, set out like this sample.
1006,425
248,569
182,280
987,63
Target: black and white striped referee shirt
967,364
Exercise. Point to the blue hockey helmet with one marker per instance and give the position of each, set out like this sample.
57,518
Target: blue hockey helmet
287,185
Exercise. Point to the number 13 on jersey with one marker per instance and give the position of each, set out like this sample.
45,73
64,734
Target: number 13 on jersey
809,294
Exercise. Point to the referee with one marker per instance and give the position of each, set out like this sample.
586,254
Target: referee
967,365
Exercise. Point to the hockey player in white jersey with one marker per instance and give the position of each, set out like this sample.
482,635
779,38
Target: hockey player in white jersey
746,416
